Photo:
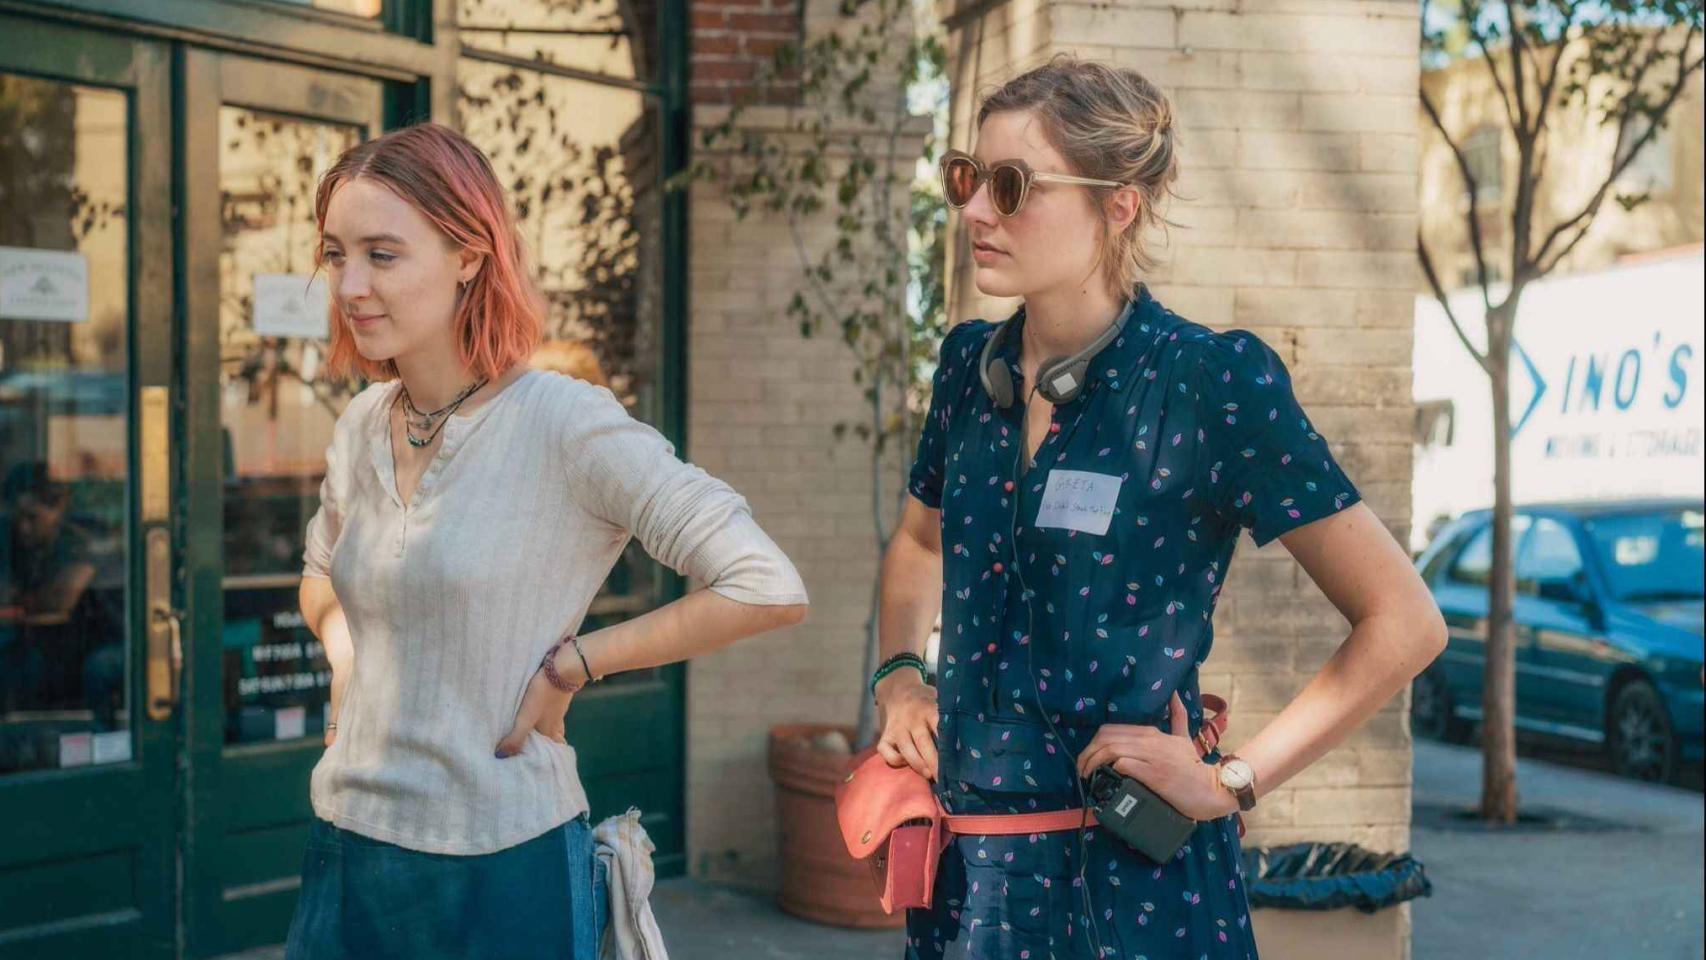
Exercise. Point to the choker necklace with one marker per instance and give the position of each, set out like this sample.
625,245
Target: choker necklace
432,423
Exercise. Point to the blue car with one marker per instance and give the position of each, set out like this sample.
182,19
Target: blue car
1609,621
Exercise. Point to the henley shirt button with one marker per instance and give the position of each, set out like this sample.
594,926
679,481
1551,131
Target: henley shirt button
998,567
1008,486
1054,428
992,648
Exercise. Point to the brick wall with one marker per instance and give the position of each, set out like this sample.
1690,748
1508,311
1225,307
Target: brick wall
732,40
761,407
1298,144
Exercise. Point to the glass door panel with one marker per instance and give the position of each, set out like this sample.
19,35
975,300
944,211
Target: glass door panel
581,160
88,684
64,389
276,414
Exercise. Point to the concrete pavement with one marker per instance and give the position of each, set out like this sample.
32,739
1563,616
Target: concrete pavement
1612,868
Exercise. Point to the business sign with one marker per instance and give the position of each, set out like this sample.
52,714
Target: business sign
1633,394
1606,401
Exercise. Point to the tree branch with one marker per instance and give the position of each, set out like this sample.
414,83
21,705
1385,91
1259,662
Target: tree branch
1549,82
1472,19
1519,76
1584,218
1474,210
1445,303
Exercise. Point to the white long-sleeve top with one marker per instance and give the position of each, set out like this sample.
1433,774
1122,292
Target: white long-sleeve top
453,598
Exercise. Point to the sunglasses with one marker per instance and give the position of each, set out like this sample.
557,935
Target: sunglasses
1009,181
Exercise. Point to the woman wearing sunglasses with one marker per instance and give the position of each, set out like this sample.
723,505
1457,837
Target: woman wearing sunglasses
1084,473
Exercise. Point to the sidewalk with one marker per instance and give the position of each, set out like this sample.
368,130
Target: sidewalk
702,922
1615,871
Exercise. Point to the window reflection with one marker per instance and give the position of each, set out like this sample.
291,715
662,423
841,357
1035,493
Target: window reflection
277,411
580,162
608,37
64,311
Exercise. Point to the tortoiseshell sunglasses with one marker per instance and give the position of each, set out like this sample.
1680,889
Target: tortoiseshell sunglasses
1009,181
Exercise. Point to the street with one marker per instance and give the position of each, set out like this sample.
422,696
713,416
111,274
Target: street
1614,869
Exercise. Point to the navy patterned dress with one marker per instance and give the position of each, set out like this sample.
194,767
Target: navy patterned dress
1096,572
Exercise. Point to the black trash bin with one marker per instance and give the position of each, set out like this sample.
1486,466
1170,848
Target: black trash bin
1327,876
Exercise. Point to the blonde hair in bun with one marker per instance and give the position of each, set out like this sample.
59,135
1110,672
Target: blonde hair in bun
1109,123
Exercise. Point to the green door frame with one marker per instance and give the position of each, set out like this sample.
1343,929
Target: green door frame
88,865
246,808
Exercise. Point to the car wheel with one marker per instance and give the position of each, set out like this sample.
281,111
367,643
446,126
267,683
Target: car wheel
1431,710
1639,735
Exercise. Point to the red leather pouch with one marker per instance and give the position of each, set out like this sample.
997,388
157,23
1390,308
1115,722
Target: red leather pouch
890,819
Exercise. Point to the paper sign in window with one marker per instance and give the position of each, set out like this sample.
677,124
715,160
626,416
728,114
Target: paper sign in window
289,723
48,285
291,305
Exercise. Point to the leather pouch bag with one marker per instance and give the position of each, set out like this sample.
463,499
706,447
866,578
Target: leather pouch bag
890,819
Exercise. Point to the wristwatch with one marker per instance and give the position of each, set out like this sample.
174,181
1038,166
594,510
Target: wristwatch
1237,776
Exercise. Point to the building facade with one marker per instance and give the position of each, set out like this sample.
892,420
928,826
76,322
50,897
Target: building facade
1666,172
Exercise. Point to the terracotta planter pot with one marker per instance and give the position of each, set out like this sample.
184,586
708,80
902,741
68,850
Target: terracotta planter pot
821,882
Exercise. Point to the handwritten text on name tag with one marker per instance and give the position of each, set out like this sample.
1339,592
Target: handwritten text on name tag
1079,500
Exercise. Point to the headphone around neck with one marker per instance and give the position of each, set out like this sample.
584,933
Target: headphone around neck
1059,379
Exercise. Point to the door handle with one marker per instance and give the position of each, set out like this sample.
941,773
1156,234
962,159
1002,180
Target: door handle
165,622
165,628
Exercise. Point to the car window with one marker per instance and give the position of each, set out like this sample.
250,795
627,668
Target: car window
1549,553
1652,557
1448,549
1474,565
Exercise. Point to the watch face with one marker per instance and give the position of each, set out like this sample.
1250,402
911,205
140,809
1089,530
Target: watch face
1236,774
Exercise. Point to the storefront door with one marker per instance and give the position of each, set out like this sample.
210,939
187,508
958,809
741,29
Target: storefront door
164,415
89,587
257,136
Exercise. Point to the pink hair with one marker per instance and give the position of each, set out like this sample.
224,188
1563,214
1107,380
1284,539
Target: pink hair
500,313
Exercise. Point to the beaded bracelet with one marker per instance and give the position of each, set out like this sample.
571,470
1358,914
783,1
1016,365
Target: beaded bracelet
896,662
549,664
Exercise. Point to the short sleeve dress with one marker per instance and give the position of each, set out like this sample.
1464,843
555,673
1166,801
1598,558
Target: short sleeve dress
1085,586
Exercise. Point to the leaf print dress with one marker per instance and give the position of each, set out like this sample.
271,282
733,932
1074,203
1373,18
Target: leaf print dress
1096,607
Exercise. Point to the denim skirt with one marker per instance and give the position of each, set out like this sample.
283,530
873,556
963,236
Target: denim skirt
363,899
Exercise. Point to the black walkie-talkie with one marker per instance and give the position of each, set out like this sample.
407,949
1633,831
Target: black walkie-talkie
1136,814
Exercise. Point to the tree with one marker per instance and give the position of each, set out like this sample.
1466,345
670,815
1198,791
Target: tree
1623,62
847,154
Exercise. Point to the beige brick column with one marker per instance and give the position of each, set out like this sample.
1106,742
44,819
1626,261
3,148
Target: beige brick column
763,402
761,407
1298,145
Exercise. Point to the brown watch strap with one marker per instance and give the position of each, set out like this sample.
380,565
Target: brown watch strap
1246,795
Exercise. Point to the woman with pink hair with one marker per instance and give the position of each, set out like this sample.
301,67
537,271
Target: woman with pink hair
471,509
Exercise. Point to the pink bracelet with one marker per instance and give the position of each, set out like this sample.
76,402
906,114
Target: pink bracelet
549,664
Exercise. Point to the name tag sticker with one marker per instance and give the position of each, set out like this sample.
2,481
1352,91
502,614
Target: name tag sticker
1079,500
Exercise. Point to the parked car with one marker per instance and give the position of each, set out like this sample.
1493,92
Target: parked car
1609,625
